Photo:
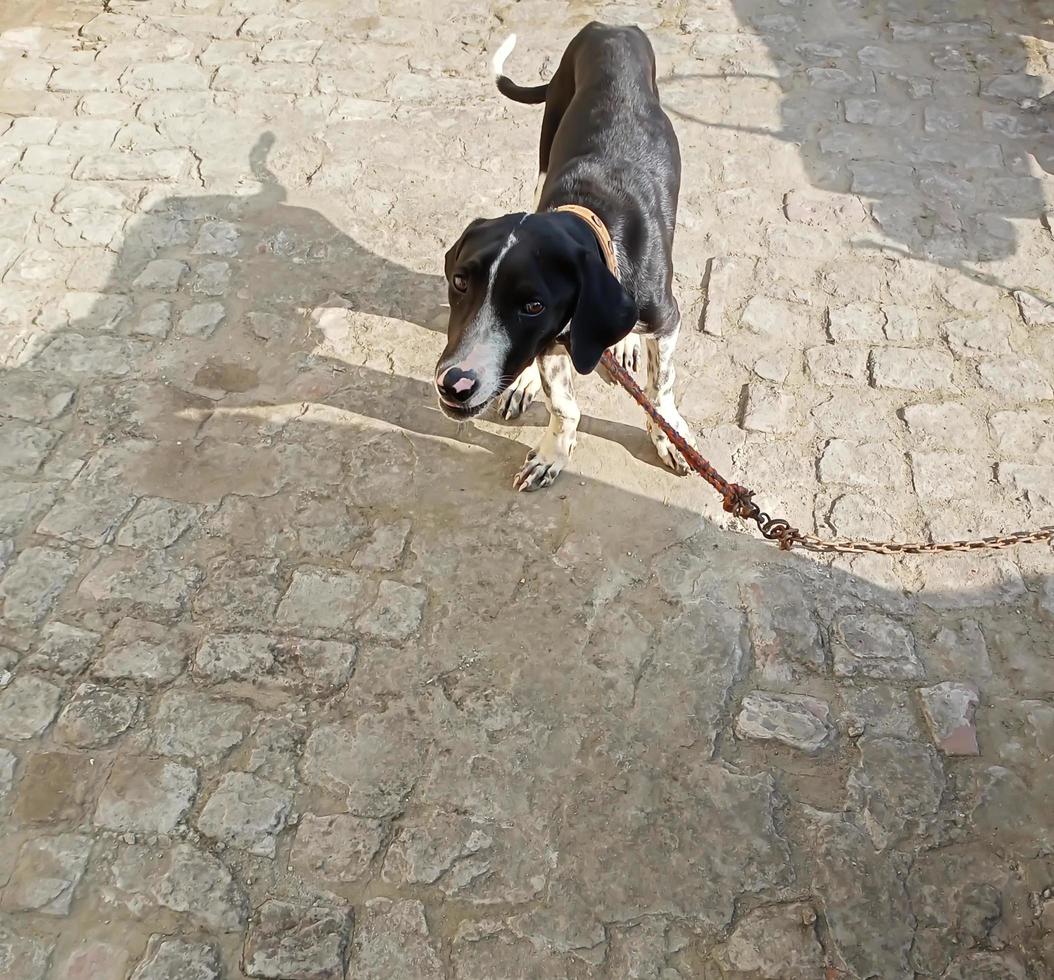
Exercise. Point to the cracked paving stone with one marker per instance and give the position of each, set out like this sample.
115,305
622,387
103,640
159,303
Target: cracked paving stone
27,706
64,649
87,515
141,651
21,957
326,664
182,878
240,592
146,795
589,884
795,720
178,959
960,650
95,716
381,553
24,447
875,646
287,941
880,710
336,848
487,949
211,279
320,600
949,711
396,613
448,847
981,965
162,275
246,811
36,397
277,744
392,940
23,504
198,726
784,634
777,942
152,584
46,874
218,238
375,761
869,928
156,523
235,656
57,788
33,584
897,788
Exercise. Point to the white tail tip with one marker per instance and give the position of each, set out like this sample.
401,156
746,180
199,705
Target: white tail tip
497,63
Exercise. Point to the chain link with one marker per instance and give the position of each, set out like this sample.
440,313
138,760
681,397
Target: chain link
738,500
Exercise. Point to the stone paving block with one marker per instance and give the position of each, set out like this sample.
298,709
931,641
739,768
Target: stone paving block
8,763
95,716
950,475
972,338
395,614
149,165
246,811
27,705
46,874
146,796
768,409
394,936
306,942
1026,434
320,600
198,726
183,878
911,370
795,720
876,464
784,633
178,959
944,423
291,79
235,656
875,646
202,320
156,523
1035,312
143,652
1015,379
88,515
776,941
24,447
32,585
141,79
384,548
149,583
336,848
836,365
949,709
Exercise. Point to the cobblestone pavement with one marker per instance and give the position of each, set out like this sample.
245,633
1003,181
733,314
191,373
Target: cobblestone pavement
293,685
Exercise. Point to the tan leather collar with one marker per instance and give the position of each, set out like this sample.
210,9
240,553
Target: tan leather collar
599,229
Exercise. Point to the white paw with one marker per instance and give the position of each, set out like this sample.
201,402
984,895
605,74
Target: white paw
627,352
668,453
542,465
518,397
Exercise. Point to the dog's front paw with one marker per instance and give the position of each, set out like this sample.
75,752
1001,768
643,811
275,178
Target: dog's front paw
521,393
668,453
626,353
542,466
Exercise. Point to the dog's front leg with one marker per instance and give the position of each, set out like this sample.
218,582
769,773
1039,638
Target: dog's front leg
519,396
545,463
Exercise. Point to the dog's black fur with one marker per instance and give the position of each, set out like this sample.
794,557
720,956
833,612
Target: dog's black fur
521,282
606,144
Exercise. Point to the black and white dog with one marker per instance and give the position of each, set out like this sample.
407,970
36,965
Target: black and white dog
530,293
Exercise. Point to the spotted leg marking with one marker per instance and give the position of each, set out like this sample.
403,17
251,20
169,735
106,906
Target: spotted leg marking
545,462
661,378
519,396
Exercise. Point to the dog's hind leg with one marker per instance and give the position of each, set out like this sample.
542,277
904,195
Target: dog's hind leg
661,378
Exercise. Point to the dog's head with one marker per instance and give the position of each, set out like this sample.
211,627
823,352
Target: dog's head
516,283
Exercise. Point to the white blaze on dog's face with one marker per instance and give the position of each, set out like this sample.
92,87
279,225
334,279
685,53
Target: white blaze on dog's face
514,284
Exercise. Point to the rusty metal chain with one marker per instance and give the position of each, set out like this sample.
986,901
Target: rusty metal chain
738,500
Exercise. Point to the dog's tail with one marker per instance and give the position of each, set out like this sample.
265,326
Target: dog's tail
528,94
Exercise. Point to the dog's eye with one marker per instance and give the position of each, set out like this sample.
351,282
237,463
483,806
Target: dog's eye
460,282
533,308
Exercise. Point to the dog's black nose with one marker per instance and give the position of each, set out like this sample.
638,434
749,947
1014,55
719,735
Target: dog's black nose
456,385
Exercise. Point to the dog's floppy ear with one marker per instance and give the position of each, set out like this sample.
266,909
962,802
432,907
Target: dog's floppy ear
452,252
603,315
